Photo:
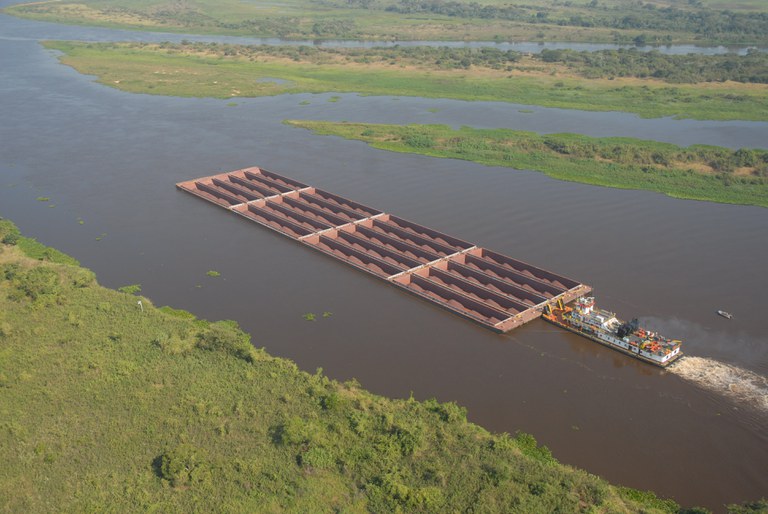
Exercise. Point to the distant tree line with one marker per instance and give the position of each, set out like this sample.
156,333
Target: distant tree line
635,15
719,159
631,20
691,68
430,56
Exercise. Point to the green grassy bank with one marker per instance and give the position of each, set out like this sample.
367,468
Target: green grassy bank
108,408
222,71
698,172
617,21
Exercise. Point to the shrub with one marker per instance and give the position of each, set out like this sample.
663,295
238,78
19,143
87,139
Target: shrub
296,431
81,277
449,412
745,157
419,141
177,313
11,238
37,283
329,401
173,344
390,493
758,507
225,336
557,145
408,439
9,271
595,494
184,465
39,251
648,499
528,445
9,234
317,458
130,289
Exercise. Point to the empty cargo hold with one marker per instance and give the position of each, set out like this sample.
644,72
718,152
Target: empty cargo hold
487,287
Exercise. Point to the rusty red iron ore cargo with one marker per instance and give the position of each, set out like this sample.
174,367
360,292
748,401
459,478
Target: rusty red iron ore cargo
494,290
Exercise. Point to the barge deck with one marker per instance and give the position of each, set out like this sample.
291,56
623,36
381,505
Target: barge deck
494,290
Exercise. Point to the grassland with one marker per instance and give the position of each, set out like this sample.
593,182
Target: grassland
220,71
105,407
698,172
622,21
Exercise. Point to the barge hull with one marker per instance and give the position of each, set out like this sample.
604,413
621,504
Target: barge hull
489,288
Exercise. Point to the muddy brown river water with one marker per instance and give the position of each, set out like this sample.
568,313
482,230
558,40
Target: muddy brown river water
699,434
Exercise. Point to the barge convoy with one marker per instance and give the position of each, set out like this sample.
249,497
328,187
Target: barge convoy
494,290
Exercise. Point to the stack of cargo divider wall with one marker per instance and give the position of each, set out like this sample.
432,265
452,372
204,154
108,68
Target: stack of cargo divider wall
494,290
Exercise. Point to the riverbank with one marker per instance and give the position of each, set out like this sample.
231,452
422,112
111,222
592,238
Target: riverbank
613,21
199,418
697,172
202,70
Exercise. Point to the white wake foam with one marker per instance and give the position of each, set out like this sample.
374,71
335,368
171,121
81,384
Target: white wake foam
740,384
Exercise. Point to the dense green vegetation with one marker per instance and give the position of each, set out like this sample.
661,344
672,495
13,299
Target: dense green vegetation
621,21
692,68
710,24
697,172
108,407
225,71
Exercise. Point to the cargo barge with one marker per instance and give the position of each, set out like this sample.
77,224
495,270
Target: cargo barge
604,327
491,289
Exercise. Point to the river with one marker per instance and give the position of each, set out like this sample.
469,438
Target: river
111,159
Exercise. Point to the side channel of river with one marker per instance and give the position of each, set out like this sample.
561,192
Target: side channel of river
111,159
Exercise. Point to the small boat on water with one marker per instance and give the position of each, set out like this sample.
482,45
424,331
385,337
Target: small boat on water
724,314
